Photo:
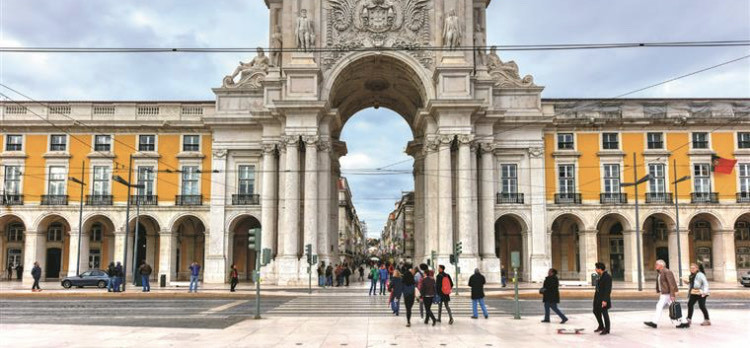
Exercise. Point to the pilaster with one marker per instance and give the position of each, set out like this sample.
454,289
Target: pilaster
587,253
724,258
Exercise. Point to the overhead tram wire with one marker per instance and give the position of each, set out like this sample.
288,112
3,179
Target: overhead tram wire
529,47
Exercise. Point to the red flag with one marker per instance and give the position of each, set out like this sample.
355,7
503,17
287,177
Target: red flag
722,165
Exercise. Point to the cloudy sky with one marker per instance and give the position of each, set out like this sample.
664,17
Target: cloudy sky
374,138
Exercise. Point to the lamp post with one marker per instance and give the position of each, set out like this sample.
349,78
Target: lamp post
127,183
677,219
637,218
80,215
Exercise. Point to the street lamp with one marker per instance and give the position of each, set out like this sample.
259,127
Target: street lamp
637,217
80,215
120,180
677,219
127,183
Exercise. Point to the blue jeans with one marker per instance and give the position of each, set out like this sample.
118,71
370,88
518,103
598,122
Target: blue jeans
193,283
144,283
395,305
382,286
547,306
474,307
329,281
118,282
321,281
110,283
373,287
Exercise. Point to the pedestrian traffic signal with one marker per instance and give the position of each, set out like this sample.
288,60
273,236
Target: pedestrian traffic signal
459,248
452,259
253,238
308,253
266,258
433,255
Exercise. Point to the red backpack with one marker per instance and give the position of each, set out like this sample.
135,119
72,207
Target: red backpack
446,286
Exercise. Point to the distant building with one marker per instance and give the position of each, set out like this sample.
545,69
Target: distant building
351,236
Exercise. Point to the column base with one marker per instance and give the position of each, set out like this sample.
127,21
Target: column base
288,271
215,270
540,265
490,268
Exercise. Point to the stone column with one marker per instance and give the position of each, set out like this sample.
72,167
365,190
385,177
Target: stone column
445,200
587,253
311,193
167,254
541,259
466,206
491,264
631,256
420,251
216,269
288,265
724,258
684,251
281,204
268,197
324,203
431,175
119,250
73,254
33,251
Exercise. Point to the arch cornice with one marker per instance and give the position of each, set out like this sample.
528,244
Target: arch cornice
520,217
713,213
177,217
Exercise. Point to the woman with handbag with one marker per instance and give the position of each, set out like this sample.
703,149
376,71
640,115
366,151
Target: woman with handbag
551,296
427,289
698,293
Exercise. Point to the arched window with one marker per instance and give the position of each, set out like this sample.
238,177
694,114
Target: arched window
15,232
55,232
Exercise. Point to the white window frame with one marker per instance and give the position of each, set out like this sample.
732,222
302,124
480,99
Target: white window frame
15,232
7,142
601,141
661,140
186,170
183,144
64,144
510,180
656,179
110,143
102,181
59,233
155,144
611,177
570,178
17,179
252,179
708,140
743,177
141,169
572,140
745,135
97,229
702,180
63,180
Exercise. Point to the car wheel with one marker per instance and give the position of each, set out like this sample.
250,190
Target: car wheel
102,284
66,284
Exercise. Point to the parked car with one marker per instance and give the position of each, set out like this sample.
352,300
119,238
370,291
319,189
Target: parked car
745,279
94,277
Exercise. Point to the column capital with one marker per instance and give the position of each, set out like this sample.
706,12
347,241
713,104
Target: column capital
430,145
324,146
290,140
311,140
445,139
465,139
219,153
536,152
269,148
486,147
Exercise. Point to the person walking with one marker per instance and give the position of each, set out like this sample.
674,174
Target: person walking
110,276
551,296
195,269
10,271
418,276
19,272
145,271
602,299
361,273
234,278
382,278
346,273
503,276
321,274
666,287
329,275
118,276
36,273
698,293
444,287
373,276
427,290
408,291
476,283
396,288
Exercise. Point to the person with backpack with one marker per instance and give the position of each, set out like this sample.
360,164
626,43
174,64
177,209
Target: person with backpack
427,290
111,276
36,273
476,283
373,277
444,287
666,287
145,271
234,278
698,293
551,296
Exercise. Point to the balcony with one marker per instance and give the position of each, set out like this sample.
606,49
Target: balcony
509,198
99,200
245,199
12,199
743,197
144,200
704,197
188,200
659,197
613,198
567,198
54,199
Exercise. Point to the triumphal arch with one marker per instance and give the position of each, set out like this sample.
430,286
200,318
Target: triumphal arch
329,59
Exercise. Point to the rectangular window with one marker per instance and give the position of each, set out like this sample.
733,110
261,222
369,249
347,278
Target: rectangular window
566,178
191,143
657,182
246,180
101,181
610,141
13,180
102,143
96,233
744,170
146,178
57,142
15,233
565,141
56,181
13,142
147,143
611,178
190,182
55,233
95,259
743,140
509,178
702,178
700,140
655,140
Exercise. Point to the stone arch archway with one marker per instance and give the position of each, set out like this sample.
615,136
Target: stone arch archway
54,234
13,234
617,247
511,235
189,245
568,246
240,254
742,243
98,241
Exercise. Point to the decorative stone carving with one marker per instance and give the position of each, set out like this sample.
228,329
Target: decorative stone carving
253,73
506,74
356,24
445,139
324,146
277,43
311,140
536,152
304,31
486,147
479,45
290,139
268,149
452,31
430,145
465,138
220,153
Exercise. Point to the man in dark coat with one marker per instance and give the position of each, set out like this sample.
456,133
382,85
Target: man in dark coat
602,300
551,296
36,273
19,272
476,282
445,298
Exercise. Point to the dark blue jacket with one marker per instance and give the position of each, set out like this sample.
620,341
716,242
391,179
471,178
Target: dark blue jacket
36,272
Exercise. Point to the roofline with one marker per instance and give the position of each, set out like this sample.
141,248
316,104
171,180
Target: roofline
643,99
111,101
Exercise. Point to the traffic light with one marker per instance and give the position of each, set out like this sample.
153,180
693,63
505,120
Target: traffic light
266,258
433,255
308,253
253,238
452,259
459,248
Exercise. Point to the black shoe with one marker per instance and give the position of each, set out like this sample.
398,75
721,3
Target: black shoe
486,317
564,321
408,324
599,329
450,322
683,326
648,323
426,322
433,323
474,317
438,320
604,332
545,321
